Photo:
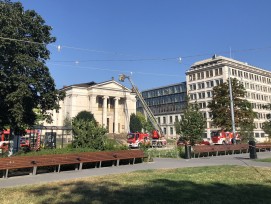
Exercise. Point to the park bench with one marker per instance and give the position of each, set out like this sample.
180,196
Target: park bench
219,149
77,159
263,146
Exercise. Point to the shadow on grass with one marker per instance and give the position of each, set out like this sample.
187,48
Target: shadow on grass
155,191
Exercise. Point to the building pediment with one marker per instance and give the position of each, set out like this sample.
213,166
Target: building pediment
110,85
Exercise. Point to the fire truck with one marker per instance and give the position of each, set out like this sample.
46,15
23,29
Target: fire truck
30,140
157,137
136,140
222,137
4,140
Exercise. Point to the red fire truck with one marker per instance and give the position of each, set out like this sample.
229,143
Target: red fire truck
4,140
222,137
31,139
136,140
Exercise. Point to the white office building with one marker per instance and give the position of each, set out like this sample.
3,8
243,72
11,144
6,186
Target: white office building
204,75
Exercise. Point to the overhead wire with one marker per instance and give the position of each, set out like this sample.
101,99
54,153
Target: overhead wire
114,70
59,47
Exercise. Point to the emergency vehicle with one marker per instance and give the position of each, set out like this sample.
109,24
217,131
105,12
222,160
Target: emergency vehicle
4,140
222,137
136,140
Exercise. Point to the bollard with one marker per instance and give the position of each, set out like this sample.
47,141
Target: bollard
252,150
187,152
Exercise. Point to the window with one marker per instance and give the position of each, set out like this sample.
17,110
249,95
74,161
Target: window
170,119
216,72
171,130
211,83
165,131
220,71
176,118
164,120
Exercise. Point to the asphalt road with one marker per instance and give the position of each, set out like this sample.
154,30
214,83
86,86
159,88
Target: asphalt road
158,163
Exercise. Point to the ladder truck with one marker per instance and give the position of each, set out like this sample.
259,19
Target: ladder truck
157,138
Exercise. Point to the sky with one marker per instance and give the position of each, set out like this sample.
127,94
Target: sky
145,39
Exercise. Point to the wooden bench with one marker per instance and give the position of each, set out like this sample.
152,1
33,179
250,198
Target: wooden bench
263,146
77,159
218,149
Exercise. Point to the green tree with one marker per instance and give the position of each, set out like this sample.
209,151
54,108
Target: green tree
267,124
146,124
86,116
87,134
192,126
221,111
135,124
25,82
67,123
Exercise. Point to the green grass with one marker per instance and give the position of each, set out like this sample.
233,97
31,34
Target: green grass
219,184
264,160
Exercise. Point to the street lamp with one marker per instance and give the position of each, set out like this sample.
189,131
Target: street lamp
231,103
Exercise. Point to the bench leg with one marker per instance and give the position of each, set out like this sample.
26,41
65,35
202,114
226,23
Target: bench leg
100,164
58,170
80,166
34,170
6,176
133,160
118,162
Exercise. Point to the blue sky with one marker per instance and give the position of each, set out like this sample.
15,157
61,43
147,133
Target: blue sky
101,39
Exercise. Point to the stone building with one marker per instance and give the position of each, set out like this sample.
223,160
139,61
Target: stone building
204,75
110,102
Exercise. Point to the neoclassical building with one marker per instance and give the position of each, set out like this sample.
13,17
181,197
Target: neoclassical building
110,102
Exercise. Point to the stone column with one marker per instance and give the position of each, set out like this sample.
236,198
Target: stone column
116,114
93,107
105,110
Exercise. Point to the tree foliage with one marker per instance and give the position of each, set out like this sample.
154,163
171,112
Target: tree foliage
25,81
135,124
87,134
86,116
221,111
146,124
191,127
267,124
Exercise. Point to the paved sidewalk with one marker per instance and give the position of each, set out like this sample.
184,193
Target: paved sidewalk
159,163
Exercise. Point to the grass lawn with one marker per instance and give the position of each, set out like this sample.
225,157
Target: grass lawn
220,184
264,160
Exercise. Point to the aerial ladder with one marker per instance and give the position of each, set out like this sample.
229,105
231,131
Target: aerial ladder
157,134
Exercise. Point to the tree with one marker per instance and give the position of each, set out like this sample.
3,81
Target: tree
267,124
221,111
86,116
146,124
67,123
192,126
135,124
87,134
25,81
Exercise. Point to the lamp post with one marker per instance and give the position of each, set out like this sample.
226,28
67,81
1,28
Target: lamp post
231,103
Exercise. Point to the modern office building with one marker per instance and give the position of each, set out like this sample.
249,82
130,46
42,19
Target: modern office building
167,104
204,75
110,102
